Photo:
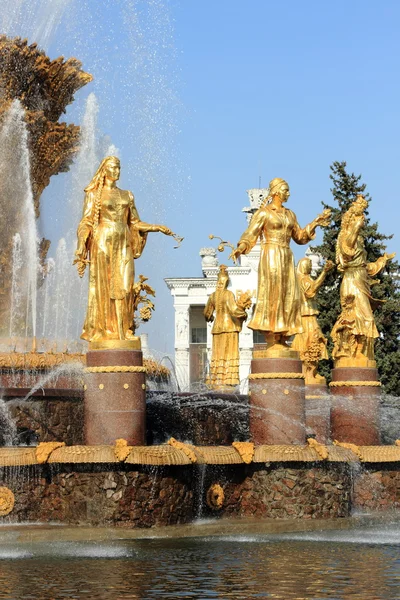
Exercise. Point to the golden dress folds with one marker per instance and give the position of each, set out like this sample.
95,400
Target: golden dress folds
352,261
311,330
278,295
112,247
224,368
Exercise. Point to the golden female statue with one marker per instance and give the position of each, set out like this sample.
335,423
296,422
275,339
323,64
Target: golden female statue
311,343
355,331
277,311
229,317
110,236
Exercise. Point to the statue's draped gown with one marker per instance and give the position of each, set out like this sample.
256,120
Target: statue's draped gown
113,246
278,302
312,333
224,368
351,257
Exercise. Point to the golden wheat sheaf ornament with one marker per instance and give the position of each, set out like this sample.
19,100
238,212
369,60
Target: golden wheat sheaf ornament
7,501
215,496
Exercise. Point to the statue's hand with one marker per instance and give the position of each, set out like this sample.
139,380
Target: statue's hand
80,261
329,265
80,265
390,256
234,255
165,230
244,301
324,218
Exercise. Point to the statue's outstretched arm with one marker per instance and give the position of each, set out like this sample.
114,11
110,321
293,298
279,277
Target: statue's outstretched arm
251,235
147,228
376,267
134,220
303,236
315,284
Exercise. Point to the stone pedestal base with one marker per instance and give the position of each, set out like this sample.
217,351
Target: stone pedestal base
318,412
276,399
115,397
355,405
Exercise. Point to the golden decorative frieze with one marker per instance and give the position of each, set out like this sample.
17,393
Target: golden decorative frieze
34,361
115,369
256,376
320,449
121,449
44,450
355,384
246,451
7,501
215,497
186,448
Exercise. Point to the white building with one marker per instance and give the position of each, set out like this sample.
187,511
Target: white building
193,339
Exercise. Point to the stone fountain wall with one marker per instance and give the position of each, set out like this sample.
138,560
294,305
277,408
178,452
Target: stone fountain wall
145,497
177,483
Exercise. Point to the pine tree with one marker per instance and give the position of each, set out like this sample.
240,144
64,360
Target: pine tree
387,348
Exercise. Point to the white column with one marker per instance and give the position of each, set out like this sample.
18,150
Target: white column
182,345
245,354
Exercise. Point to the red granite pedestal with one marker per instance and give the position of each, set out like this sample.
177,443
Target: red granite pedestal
115,397
276,387
318,412
355,405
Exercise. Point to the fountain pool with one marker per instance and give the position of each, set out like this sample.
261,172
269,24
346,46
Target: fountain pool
358,560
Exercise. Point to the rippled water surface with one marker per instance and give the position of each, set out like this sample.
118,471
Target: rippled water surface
362,564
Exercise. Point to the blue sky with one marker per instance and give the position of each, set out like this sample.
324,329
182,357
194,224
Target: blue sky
202,97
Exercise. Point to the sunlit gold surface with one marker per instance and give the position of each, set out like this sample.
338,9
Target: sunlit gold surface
355,331
276,376
133,344
110,237
7,501
33,361
121,449
179,453
246,451
44,450
311,343
355,384
215,496
278,308
321,449
228,321
116,369
276,351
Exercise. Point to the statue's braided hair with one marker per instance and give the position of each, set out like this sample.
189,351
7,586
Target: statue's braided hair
97,185
97,204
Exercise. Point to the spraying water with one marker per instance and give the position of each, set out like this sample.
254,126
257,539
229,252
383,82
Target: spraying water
8,429
19,223
38,20
15,300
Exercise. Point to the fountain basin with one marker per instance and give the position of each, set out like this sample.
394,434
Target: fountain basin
167,485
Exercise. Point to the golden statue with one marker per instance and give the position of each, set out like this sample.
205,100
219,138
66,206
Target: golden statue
355,331
277,312
110,237
311,343
229,317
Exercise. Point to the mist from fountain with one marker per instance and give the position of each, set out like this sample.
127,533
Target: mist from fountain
63,295
17,209
37,20
8,428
